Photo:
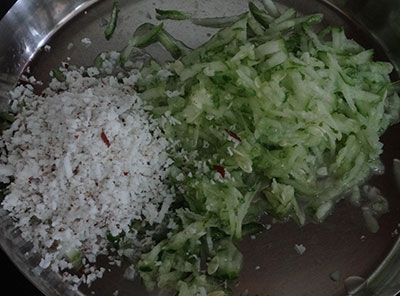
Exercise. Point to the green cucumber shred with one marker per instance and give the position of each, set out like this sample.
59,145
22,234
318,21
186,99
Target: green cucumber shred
112,24
269,116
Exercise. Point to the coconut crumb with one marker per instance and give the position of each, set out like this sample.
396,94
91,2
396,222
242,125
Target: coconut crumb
130,273
86,42
300,249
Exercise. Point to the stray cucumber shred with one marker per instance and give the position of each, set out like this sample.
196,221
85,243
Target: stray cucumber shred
112,24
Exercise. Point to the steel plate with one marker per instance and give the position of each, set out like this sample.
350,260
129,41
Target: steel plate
271,265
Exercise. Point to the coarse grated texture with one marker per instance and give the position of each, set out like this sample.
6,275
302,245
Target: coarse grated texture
82,161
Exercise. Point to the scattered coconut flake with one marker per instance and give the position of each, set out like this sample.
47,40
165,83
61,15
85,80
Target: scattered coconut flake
172,94
130,272
86,41
47,48
164,74
300,249
180,177
92,71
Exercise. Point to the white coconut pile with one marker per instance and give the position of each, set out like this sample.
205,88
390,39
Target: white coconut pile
82,161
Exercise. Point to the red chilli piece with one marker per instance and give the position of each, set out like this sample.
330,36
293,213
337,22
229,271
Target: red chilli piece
233,135
104,138
220,170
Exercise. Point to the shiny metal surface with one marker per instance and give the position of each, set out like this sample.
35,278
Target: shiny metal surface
272,267
25,29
